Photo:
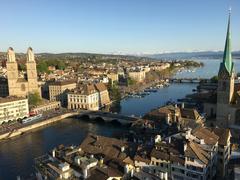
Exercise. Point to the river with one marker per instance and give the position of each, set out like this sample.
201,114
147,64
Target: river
17,155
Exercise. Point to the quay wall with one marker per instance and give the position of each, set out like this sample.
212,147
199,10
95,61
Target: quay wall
30,127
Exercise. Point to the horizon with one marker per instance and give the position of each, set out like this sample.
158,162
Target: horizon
122,28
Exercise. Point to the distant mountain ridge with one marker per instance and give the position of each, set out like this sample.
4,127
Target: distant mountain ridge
189,55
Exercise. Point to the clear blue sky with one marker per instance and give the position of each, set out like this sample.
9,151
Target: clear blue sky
109,26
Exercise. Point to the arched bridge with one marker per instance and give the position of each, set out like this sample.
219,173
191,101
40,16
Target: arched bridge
107,116
189,80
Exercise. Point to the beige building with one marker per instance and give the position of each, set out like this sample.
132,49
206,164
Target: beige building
113,77
13,108
46,106
58,91
103,94
224,150
84,97
138,76
22,86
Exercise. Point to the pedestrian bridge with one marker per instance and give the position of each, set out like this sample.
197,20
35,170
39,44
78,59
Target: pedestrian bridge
107,117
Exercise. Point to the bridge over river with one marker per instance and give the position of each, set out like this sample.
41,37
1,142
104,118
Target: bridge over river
107,116
189,80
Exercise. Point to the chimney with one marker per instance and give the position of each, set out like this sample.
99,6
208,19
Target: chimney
185,147
182,105
85,173
54,153
169,140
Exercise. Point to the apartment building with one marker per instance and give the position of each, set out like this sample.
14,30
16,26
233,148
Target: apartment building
83,97
224,150
103,94
13,108
58,90
137,75
191,154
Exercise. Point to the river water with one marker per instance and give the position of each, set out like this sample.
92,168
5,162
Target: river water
17,155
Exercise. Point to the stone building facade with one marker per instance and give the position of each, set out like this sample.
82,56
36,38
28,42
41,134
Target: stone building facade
22,86
58,90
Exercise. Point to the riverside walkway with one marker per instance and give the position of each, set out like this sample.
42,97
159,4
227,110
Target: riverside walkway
16,129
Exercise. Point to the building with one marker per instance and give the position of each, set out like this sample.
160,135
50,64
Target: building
84,97
97,157
46,106
103,94
58,90
13,108
138,75
173,114
113,77
3,87
227,106
224,150
22,86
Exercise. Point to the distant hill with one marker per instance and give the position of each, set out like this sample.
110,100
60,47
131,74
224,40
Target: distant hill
189,55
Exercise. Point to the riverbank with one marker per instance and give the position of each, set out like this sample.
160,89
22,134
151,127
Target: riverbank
30,127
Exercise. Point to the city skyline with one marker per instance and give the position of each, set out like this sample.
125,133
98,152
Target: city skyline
134,27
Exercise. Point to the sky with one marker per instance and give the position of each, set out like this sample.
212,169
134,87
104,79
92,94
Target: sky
117,26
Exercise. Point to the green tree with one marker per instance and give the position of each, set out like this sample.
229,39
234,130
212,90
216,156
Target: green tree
34,99
60,65
114,92
130,81
214,79
42,67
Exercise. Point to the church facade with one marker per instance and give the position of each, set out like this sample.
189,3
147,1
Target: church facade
227,106
22,86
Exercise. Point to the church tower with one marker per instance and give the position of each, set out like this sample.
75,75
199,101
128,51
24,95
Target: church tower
12,71
31,72
225,89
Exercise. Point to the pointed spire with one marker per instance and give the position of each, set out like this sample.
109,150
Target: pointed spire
227,57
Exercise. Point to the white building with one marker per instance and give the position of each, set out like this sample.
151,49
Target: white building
13,108
86,97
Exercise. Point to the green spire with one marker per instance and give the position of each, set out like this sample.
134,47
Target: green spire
227,57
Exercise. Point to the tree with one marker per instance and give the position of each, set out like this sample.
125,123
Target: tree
42,67
34,99
60,65
114,92
130,81
214,79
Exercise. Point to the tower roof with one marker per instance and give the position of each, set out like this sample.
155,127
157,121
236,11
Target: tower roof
227,57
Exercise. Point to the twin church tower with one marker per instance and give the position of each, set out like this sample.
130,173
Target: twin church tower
22,86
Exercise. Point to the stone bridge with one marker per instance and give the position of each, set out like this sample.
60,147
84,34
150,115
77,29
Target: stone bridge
107,117
189,80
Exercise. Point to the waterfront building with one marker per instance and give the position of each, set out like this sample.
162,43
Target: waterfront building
97,157
46,106
58,90
89,96
84,97
50,168
22,86
173,114
137,75
103,94
13,108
